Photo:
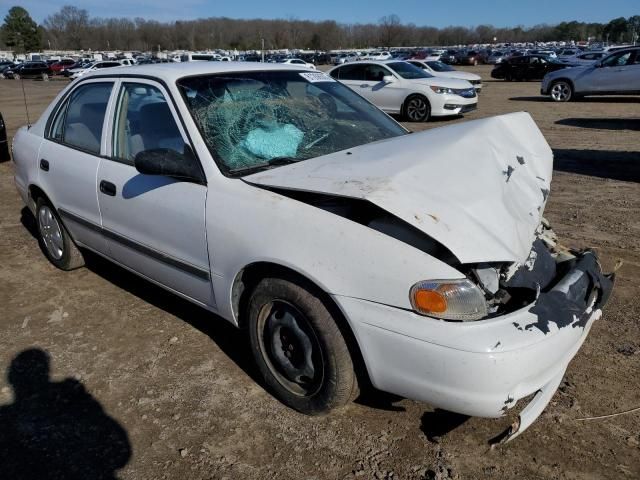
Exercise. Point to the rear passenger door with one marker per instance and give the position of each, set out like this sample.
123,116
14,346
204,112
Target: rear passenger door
155,225
70,156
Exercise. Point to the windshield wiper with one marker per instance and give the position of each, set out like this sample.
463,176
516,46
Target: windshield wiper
274,162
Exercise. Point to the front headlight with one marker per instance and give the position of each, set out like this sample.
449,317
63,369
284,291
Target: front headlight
442,90
449,299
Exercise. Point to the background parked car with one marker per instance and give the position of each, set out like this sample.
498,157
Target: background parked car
60,66
300,62
565,53
585,58
96,66
496,57
29,70
439,69
526,67
449,57
401,88
617,74
5,65
469,57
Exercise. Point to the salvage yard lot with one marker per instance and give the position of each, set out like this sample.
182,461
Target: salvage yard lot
181,384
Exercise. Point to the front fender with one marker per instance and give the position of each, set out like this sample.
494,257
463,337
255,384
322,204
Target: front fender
248,224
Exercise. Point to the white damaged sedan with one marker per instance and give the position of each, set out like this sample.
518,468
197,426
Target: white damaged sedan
350,251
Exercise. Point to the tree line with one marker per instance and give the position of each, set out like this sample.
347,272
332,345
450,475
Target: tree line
72,28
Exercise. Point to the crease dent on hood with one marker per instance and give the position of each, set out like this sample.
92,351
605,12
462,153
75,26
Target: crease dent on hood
478,187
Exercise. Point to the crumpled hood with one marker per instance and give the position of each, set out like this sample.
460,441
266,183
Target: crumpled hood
478,187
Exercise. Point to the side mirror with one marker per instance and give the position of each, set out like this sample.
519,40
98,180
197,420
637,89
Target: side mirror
388,79
169,163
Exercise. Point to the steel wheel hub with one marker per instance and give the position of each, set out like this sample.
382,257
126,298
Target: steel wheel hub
292,349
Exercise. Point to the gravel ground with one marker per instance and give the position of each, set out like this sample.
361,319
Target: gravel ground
144,385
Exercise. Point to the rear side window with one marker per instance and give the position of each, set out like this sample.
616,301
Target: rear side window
78,122
351,72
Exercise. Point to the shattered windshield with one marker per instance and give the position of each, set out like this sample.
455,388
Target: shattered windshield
256,120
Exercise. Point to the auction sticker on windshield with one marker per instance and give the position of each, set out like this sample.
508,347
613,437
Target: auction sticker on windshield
314,77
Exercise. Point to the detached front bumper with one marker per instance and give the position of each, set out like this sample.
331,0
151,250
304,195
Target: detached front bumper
482,368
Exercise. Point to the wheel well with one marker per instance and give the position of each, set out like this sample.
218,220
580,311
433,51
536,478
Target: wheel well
35,193
553,82
249,277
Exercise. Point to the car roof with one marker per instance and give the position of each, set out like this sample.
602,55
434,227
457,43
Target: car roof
170,72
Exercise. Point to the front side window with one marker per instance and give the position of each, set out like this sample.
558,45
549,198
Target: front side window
256,120
440,67
617,59
78,122
144,122
408,71
375,73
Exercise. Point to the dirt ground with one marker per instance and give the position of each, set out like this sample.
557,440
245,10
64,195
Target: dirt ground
148,386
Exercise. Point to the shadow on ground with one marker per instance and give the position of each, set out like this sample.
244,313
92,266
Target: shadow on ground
56,430
611,164
602,123
438,423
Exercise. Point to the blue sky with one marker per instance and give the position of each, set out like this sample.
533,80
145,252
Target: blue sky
438,13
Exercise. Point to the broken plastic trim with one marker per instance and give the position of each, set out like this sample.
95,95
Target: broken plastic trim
530,413
575,297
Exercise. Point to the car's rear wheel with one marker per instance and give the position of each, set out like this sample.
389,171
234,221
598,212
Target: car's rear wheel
561,91
299,348
417,108
55,241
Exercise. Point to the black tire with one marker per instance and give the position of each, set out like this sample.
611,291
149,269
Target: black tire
561,91
54,239
508,77
416,108
299,348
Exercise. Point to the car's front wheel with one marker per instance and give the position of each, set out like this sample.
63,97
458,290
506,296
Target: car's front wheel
417,108
299,348
55,241
561,91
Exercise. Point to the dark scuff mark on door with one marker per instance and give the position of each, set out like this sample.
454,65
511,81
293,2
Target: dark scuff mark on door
508,172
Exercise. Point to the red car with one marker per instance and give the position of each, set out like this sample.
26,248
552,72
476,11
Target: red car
61,66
